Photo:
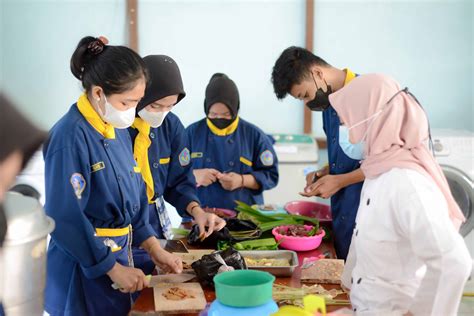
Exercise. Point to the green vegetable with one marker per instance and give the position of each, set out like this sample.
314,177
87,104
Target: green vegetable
180,231
313,231
238,246
267,222
257,244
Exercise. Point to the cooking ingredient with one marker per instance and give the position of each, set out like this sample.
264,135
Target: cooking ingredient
297,231
177,294
264,262
287,295
257,244
267,222
180,231
324,271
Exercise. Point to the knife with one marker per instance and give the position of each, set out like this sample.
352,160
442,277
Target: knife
164,278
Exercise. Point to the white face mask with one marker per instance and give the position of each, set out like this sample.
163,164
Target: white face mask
155,119
116,118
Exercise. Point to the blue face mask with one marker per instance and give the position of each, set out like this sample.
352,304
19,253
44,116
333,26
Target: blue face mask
353,151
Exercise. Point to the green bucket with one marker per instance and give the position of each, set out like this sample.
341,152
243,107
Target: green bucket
244,288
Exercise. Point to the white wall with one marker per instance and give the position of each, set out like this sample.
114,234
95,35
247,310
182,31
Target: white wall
240,38
427,45
38,40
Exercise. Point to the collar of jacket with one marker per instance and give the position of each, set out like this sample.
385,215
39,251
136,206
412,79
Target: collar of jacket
225,131
91,116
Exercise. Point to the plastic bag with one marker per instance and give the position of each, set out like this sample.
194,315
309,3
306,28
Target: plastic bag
231,232
208,266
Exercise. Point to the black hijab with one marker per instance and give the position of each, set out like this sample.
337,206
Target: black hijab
222,89
164,80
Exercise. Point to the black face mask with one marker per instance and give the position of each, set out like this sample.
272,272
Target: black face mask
221,123
3,224
321,99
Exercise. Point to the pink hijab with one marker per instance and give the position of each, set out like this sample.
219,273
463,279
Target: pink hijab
397,136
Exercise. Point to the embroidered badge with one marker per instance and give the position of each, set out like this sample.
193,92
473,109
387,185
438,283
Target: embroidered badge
78,184
267,158
184,157
98,166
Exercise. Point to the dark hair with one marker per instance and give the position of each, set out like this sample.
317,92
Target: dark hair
291,68
114,68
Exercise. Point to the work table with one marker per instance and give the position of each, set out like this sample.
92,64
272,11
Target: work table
144,305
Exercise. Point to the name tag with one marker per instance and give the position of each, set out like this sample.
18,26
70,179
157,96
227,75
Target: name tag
98,166
196,155
245,161
164,161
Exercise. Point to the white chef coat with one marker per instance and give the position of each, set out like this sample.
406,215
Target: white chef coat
402,224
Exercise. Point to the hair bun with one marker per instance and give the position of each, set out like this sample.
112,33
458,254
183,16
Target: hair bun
97,46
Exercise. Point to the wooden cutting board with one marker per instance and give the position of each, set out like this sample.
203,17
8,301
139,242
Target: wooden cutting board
191,256
187,305
324,271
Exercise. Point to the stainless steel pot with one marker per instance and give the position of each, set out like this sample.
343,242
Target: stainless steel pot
24,255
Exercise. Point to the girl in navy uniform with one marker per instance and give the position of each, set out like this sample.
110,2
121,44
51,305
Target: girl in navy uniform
94,190
232,158
162,154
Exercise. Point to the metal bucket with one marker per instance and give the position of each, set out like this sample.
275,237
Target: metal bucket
23,270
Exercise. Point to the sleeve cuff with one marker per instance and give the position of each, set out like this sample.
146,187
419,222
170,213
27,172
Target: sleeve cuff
260,178
182,202
101,268
142,233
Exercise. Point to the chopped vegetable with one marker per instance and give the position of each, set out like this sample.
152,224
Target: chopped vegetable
257,244
298,231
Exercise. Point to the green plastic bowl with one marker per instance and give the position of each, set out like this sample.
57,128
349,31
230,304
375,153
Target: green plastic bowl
244,288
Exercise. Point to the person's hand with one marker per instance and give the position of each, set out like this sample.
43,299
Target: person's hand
209,220
205,177
325,187
408,314
127,278
231,181
319,174
166,261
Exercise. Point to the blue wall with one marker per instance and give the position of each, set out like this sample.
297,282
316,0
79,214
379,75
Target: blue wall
426,45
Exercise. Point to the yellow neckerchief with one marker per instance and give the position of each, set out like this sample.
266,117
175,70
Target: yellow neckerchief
140,153
225,131
90,114
349,76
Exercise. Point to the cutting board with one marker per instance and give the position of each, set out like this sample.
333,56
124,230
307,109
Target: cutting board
191,256
187,305
324,271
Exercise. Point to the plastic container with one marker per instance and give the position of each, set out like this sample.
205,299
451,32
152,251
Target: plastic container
298,243
291,256
244,288
311,209
219,309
